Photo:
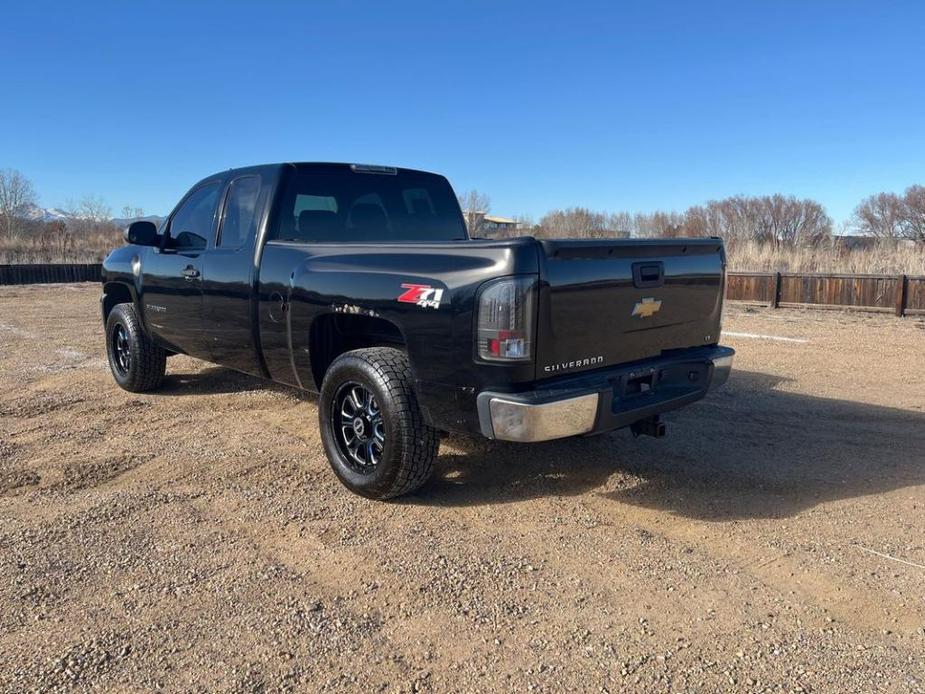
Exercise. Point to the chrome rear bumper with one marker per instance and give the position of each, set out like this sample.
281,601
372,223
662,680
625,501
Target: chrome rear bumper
523,421
610,399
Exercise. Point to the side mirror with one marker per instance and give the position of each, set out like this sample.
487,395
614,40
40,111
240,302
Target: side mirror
141,233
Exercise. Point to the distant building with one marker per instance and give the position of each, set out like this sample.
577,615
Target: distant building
489,223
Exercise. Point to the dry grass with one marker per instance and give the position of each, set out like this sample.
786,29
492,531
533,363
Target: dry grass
881,259
60,247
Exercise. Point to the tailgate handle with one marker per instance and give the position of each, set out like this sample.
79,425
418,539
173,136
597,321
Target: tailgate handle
650,274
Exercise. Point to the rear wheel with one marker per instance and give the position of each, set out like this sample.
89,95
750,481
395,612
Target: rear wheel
137,364
373,431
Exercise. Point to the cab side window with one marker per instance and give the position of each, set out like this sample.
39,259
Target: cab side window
191,225
240,217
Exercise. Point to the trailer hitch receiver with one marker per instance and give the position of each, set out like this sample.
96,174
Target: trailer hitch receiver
650,426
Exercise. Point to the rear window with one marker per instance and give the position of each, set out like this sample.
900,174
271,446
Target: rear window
360,206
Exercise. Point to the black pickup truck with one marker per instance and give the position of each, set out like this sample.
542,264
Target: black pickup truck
362,284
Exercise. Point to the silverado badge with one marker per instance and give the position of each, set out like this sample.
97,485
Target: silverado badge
647,307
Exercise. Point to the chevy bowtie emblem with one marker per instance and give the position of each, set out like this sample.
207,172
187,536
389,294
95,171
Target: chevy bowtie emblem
647,307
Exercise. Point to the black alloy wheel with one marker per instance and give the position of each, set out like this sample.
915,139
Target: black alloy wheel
372,427
360,430
137,364
122,349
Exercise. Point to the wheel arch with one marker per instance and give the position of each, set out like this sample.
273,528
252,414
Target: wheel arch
333,334
115,293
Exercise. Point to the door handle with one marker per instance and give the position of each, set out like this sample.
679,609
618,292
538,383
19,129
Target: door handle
190,273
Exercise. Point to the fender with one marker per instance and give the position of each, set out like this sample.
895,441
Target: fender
122,277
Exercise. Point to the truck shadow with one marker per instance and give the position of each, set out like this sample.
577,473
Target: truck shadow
750,450
217,380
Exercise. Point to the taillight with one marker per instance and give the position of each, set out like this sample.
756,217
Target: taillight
505,319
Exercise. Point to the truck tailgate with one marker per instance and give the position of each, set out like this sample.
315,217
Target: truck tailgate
609,302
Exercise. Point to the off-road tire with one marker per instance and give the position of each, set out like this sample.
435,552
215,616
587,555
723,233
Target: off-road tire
147,362
410,447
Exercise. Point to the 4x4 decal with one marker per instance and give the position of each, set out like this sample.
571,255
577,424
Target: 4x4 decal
422,295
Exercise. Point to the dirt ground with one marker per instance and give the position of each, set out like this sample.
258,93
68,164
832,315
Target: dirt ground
195,539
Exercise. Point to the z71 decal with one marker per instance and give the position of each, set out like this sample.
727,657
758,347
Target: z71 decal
422,295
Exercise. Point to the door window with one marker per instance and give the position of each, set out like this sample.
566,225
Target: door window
240,217
191,225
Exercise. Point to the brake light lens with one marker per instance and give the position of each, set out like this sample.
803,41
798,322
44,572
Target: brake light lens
505,319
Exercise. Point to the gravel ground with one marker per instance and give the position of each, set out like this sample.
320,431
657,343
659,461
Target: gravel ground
195,539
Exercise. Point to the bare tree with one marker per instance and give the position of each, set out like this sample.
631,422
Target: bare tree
913,213
90,208
776,220
578,222
16,197
730,219
623,223
659,224
574,222
88,215
129,212
892,216
787,221
56,241
880,215
525,224
475,206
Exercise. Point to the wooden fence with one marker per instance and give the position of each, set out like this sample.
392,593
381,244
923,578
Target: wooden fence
899,294
50,273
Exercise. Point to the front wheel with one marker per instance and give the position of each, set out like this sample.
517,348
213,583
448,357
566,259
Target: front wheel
137,364
373,431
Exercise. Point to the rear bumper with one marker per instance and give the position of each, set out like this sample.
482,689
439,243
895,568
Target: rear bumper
605,400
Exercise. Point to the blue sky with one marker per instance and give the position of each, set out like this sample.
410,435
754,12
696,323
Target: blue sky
609,105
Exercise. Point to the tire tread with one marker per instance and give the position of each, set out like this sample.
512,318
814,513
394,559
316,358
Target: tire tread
149,362
417,442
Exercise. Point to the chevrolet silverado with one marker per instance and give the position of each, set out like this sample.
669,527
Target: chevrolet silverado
362,284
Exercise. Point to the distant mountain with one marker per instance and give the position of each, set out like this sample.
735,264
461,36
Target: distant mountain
45,214
53,214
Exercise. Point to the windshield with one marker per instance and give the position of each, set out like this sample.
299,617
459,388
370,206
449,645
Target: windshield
353,204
